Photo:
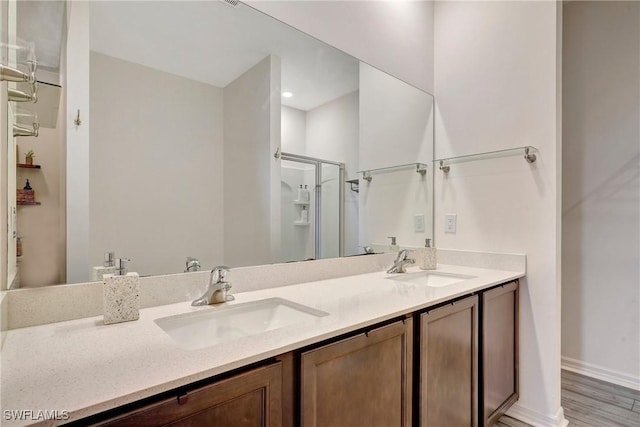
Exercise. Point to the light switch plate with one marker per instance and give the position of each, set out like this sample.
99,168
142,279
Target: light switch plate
418,223
450,223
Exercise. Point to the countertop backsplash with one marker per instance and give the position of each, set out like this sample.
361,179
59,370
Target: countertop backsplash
38,306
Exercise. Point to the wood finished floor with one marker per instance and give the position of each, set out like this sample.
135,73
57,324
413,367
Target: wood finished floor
590,402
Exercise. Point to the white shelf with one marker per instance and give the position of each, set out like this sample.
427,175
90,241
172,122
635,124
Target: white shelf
421,168
301,224
300,202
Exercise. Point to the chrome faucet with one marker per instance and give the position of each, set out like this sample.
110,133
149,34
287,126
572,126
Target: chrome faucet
400,263
192,265
217,291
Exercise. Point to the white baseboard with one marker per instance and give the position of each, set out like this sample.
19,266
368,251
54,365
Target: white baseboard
537,419
601,373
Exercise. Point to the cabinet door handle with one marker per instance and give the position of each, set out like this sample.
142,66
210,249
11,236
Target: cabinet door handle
183,398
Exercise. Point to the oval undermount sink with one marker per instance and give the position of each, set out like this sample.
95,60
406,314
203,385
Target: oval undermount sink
430,278
215,325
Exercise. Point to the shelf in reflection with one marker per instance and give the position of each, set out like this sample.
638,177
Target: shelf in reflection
527,151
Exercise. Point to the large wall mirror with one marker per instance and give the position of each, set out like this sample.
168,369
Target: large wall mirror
217,132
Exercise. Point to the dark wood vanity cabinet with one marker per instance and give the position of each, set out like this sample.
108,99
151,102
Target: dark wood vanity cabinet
463,372
499,373
364,380
449,365
252,399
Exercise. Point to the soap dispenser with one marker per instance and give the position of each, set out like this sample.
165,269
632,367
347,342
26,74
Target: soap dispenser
306,195
108,267
300,194
304,215
426,256
120,294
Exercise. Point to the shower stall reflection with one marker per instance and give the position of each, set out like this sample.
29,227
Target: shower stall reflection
312,208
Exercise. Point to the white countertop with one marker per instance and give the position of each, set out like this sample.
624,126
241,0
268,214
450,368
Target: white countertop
85,367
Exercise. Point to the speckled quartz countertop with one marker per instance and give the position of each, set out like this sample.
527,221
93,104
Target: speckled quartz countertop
85,367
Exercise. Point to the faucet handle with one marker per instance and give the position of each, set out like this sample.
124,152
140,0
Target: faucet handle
393,240
122,267
221,271
192,264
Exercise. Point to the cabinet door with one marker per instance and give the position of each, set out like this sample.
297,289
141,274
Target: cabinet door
360,381
449,365
253,398
499,350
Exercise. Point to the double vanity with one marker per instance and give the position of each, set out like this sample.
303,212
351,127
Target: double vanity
367,349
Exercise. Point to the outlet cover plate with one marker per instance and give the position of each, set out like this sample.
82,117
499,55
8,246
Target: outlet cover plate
450,221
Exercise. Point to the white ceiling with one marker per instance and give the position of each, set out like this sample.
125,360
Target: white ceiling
214,43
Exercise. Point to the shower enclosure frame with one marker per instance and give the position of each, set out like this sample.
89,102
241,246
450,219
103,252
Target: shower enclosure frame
317,163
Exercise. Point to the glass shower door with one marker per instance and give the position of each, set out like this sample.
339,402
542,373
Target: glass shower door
311,209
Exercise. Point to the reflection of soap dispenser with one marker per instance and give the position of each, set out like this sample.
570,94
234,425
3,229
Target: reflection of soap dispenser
304,215
108,267
120,295
426,256
306,196
300,194
393,247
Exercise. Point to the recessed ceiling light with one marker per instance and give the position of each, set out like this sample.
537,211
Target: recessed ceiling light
287,94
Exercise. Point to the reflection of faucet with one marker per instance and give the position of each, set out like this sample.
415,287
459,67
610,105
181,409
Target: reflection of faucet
192,265
400,263
217,291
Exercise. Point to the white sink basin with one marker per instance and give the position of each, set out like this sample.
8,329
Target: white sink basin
215,325
430,278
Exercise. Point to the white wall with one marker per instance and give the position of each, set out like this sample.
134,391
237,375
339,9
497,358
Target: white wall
395,36
77,160
156,167
395,125
601,190
332,132
396,128
294,130
251,128
274,145
496,83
